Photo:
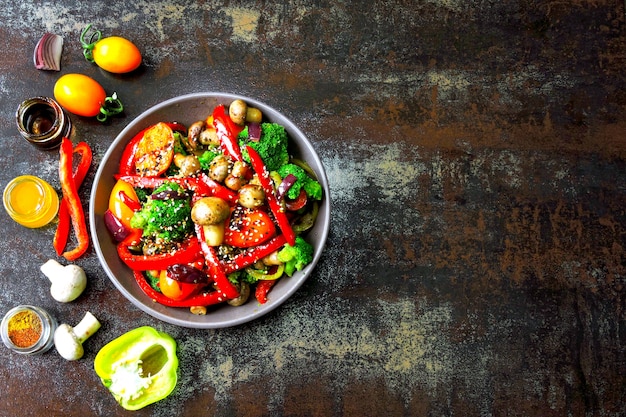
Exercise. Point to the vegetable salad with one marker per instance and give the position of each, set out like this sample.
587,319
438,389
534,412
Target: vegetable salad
213,212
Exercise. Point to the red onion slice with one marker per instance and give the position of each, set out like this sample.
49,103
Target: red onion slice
285,185
187,274
115,226
254,131
47,55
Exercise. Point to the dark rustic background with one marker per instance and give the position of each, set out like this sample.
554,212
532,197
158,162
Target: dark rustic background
476,158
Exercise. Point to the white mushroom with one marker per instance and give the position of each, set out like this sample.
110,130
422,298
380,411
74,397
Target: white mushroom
68,282
69,340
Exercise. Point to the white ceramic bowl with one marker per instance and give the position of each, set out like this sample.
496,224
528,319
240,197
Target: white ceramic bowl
187,109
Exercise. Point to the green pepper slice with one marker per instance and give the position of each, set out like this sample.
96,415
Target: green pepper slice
139,368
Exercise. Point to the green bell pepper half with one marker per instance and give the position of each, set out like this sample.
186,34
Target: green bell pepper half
139,367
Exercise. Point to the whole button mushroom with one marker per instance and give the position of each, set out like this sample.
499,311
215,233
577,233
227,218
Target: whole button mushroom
68,282
69,340
209,210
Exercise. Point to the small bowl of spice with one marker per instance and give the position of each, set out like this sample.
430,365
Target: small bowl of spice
28,330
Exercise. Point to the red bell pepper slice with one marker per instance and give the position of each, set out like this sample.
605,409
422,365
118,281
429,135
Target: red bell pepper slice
63,228
70,194
215,267
218,190
187,253
227,132
201,185
262,289
277,209
127,161
252,255
203,299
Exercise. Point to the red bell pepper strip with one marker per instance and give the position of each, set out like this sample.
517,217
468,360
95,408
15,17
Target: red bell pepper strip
70,194
252,255
218,190
63,228
227,132
277,209
188,183
132,204
203,299
187,253
201,185
262,288
215,267
127,161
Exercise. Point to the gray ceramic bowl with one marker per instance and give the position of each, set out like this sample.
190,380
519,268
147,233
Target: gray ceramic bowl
187,109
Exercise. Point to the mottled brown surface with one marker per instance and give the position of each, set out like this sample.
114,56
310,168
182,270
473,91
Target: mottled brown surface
476,157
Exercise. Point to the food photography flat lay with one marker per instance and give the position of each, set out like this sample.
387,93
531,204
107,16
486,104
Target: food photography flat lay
309,208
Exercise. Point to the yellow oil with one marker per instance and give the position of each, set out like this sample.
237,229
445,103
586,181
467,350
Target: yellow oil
31,201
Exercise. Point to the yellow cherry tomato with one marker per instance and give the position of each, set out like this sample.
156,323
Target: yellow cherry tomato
176,290
119,204
79,94
116,54
84,96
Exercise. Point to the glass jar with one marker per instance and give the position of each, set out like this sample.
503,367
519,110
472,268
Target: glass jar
30,201
42,122
28,330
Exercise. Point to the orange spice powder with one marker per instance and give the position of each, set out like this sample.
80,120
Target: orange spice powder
24,329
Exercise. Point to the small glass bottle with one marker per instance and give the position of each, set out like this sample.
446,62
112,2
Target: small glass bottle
28,330
42,122
30,201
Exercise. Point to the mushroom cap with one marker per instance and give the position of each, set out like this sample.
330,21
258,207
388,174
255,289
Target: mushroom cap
67,344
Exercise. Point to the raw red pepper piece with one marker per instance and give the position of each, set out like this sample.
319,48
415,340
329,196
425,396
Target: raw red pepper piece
187,253
216,268
277,210
203,299
127,161
70,194
63,228
262,288
227,132
252,255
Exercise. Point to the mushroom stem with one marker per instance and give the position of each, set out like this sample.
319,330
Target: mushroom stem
87,327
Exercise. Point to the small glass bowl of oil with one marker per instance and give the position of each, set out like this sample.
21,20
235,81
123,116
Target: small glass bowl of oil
30,201
42,122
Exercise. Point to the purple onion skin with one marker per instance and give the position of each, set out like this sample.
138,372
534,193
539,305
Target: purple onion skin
186,274
285,185
118,231
254,131
168,195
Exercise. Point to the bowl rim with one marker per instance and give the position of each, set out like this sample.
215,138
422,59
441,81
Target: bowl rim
136,125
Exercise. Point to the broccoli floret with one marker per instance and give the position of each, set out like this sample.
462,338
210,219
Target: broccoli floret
206,158
296,257
272,146
312,188
167,217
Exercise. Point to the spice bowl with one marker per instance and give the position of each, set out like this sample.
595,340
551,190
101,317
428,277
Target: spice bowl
28,330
